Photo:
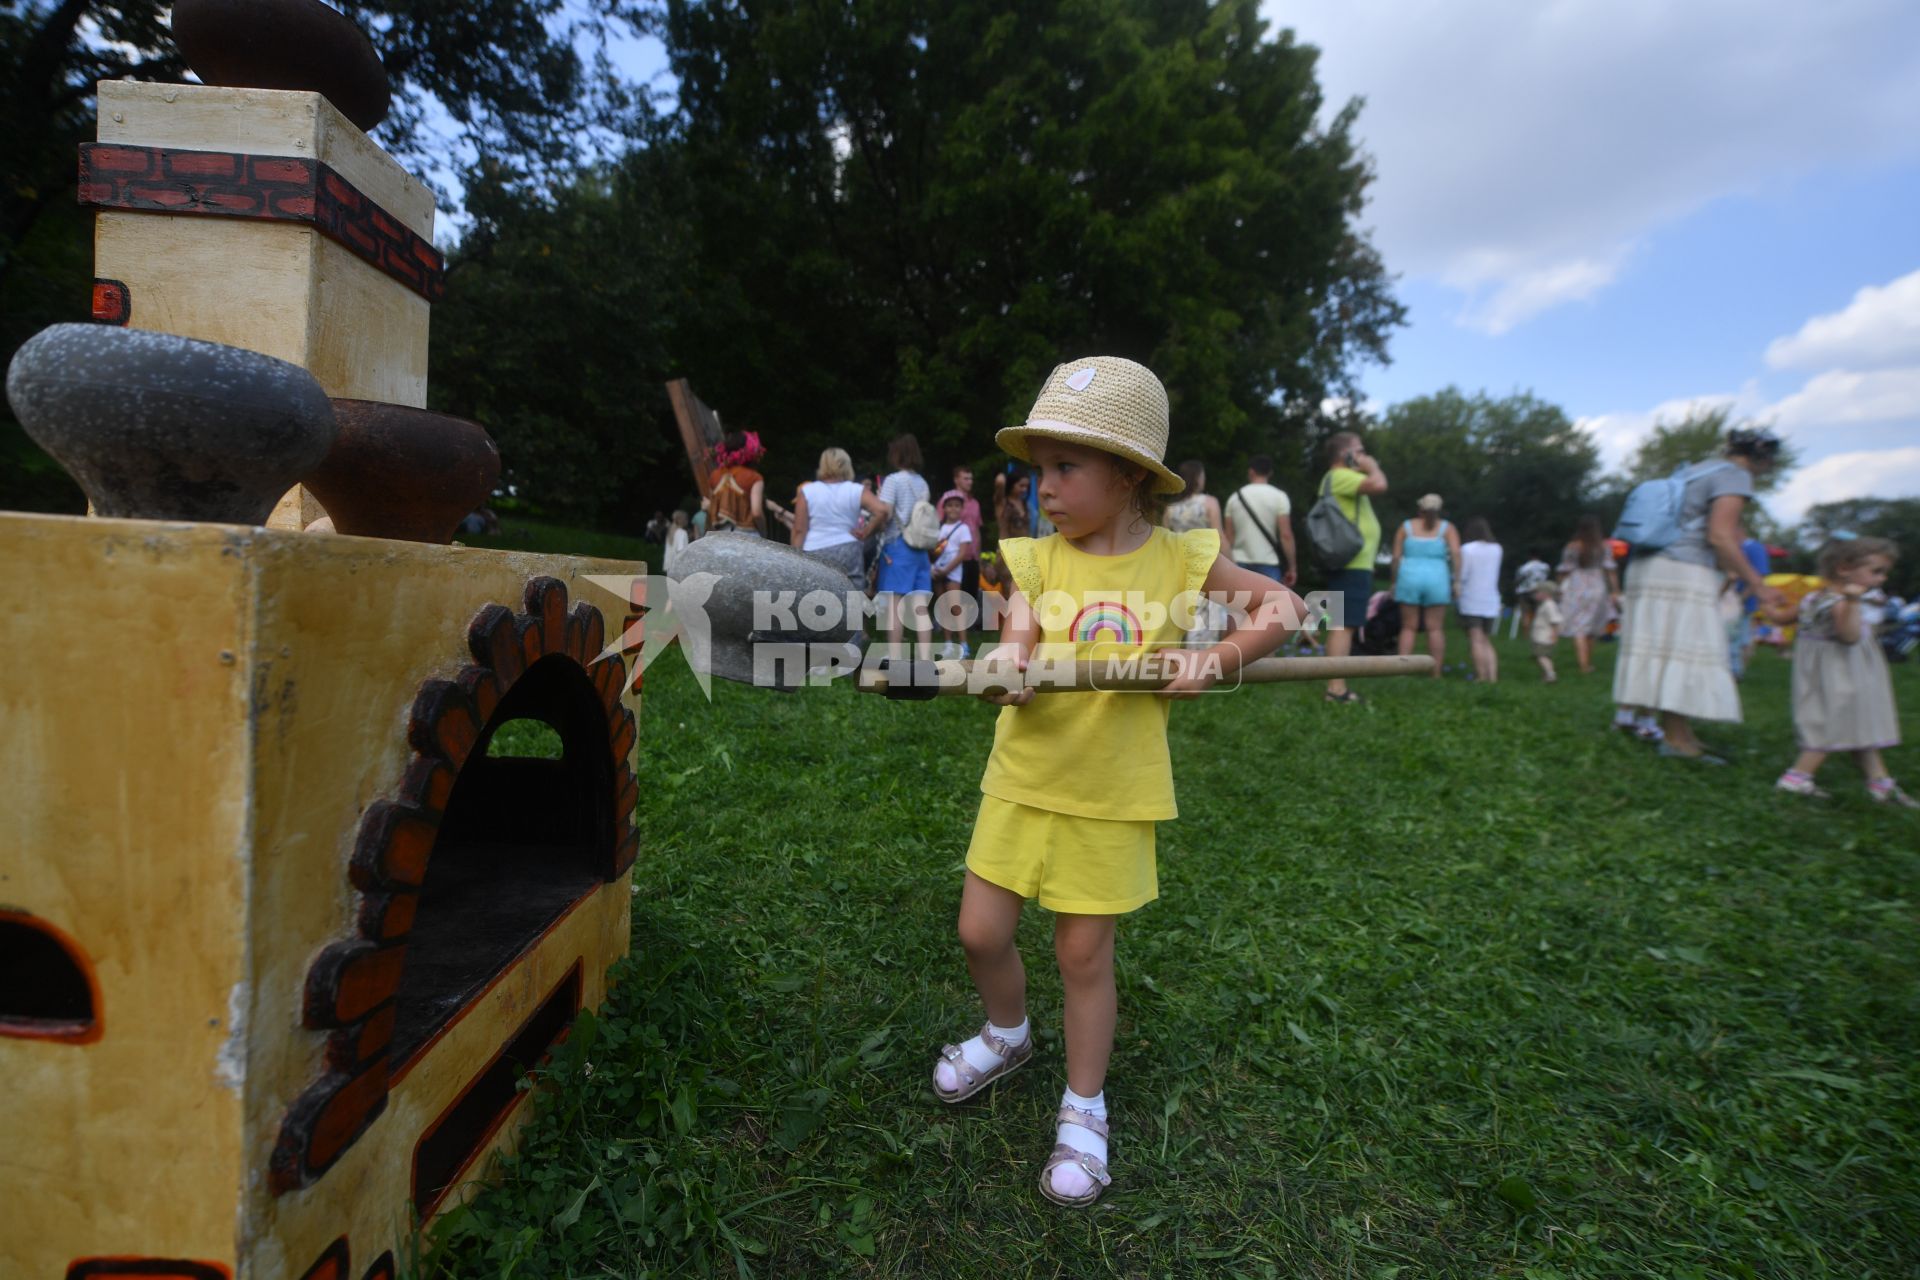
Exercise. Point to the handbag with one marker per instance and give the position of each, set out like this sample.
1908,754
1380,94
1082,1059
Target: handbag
922,531
1336,539
1279,556
920,528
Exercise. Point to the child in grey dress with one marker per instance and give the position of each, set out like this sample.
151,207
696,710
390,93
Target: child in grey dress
1842,696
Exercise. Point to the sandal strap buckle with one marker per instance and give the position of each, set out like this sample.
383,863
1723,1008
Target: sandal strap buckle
1085,1119
1093,1166
961,1067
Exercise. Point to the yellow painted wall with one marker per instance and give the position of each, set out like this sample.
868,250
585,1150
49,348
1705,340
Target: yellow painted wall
194,720
123,746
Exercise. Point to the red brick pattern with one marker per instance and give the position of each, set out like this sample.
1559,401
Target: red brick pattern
352,982
393,845
271,188
443,722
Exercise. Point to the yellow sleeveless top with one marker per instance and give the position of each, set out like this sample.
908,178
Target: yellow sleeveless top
1097,755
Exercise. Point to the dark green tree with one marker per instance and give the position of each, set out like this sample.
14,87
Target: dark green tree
1895,518
553,335
904,213
508,72
1700,435
1518,461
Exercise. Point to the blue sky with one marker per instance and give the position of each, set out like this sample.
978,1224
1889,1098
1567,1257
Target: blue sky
1630,207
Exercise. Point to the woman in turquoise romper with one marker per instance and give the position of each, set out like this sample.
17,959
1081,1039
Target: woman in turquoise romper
1426,571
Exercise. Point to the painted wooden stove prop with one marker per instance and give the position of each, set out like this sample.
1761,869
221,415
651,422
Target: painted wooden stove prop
280,931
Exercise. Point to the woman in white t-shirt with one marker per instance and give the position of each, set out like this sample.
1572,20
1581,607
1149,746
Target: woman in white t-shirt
1479,602
826,512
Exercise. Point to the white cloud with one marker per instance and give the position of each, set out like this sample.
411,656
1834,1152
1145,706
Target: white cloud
1831,420
1883,473
1522,149
1619,434
1878,329
1843,397
1337,406
1524,294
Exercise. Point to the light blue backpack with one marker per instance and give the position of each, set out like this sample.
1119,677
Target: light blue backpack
1651,519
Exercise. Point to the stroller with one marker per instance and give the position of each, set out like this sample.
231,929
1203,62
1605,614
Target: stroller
1901,634
1381,633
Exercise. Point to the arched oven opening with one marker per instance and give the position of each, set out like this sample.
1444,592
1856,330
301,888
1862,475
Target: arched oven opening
47,991
522,840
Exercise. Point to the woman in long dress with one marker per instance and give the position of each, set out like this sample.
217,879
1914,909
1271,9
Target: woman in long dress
1673,646
1589,589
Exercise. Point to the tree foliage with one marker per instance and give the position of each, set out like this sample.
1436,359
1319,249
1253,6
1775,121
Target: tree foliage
1897,519
553,334
903,214
1700,435
508,72
859,220
1518,461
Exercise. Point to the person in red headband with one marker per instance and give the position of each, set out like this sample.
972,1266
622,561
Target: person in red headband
736,492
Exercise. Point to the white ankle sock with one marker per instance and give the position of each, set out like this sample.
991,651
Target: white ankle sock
1071,1179
978,1056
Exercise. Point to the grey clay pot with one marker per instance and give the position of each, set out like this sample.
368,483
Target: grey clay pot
159,427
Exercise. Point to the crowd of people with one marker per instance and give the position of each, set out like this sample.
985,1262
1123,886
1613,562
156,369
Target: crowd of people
1686,616
1074,786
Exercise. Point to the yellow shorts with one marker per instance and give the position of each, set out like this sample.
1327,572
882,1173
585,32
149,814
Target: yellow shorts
1083,866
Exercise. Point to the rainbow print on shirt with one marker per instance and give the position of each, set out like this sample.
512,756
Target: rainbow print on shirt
1106,621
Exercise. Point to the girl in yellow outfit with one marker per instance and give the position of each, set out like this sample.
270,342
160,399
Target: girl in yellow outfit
1076,781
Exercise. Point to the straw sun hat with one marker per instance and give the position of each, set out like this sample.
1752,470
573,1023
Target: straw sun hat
1105,403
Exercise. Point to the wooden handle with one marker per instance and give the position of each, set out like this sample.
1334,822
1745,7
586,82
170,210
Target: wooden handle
947,678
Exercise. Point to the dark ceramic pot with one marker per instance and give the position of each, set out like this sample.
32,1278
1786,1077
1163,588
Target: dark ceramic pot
161,427
284,44
401,472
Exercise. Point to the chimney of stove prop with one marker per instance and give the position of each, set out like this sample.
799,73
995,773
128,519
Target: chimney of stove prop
254,210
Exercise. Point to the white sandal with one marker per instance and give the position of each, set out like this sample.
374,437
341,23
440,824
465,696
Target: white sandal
1093,1166
1893,795
972,1078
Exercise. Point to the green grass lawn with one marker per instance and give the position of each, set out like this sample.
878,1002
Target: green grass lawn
1455,983
524,533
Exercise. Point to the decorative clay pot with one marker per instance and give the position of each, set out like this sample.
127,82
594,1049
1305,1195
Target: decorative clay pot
400,472
284,44
161,427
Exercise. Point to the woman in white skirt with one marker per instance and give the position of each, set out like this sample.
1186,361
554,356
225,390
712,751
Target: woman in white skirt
1673,647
